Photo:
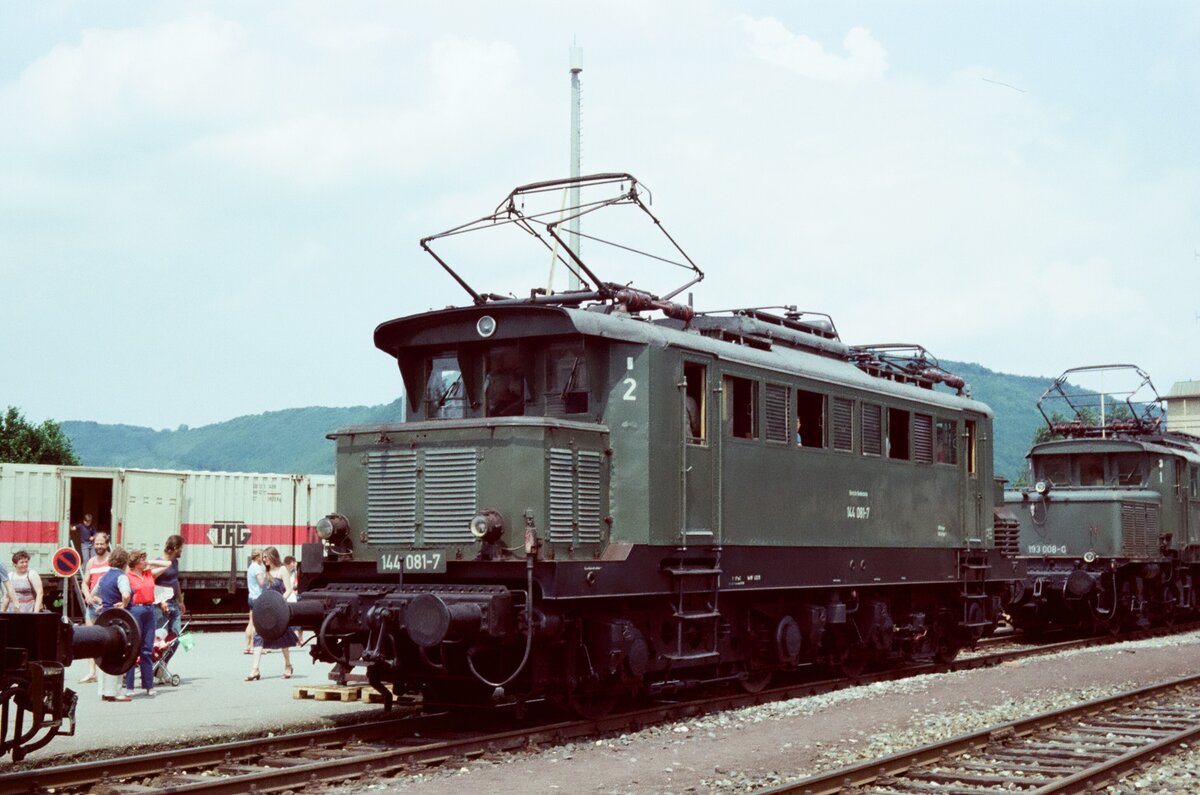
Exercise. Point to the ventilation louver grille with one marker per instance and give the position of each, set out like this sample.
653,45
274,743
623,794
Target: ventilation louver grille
923,438
391,497
437,488
872,429
1139,529
777,413
843,424
575,504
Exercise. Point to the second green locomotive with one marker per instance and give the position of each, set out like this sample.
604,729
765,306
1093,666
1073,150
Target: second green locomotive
1109,532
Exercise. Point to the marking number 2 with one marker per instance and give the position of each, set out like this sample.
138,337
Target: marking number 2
632,386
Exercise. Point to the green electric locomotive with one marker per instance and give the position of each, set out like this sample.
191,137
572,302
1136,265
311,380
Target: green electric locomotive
602,492
1110,532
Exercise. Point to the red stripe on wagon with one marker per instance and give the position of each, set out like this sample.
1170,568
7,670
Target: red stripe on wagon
261,535
19,531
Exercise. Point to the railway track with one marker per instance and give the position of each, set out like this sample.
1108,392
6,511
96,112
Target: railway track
384,747
1078,749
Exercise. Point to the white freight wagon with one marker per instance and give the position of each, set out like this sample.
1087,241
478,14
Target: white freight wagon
221,516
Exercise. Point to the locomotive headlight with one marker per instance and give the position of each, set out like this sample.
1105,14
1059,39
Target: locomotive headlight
486,326
1041,487
332,526
488,526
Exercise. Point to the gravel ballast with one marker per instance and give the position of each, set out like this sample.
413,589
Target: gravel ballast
754,747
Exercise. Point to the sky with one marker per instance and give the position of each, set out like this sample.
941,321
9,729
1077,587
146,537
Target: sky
207,207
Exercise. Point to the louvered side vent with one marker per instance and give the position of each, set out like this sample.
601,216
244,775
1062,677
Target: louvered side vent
1139,529
562,495
589,497
777,413
391,497
450,495
843,424
923,438
872,429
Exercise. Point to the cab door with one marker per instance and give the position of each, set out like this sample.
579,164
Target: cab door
699,438
972,489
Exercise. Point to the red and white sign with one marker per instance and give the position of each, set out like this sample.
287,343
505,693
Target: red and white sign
65,561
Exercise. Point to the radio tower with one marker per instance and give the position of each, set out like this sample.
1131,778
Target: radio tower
573,225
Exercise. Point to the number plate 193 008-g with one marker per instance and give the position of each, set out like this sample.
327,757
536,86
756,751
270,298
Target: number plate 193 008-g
411,563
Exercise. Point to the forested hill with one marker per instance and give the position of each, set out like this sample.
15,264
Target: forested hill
287,441
293,440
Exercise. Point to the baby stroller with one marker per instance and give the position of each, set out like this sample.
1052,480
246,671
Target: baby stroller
166,643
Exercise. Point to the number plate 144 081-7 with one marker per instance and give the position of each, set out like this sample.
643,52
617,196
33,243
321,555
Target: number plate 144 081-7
411,562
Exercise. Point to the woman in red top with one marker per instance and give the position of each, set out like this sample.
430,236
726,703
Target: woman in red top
141,583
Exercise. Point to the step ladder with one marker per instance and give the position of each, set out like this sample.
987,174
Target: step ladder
973,570
696,588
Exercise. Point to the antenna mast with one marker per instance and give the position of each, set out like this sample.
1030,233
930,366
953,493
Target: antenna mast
573,224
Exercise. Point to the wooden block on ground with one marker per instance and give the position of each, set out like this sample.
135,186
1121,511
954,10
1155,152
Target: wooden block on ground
327,692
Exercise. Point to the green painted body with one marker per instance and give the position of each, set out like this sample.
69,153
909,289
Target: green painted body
1138,516
653,488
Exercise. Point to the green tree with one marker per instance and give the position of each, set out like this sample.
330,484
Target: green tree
24,443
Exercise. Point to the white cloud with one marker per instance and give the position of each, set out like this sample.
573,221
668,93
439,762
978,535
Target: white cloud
770,40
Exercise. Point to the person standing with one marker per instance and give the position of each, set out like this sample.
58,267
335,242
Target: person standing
166,575
256,575
112,590
277,579
87,538
293,568
141,588
93,570
24,586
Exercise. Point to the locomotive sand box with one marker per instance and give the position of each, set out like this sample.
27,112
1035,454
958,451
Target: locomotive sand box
602,492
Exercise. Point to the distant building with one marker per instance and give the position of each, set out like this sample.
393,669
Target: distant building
1183,407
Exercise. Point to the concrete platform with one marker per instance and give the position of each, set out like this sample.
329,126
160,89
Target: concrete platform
213,702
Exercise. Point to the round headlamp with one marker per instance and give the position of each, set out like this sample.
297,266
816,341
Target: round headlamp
331,526
486,326
487,526
1041,487
479,526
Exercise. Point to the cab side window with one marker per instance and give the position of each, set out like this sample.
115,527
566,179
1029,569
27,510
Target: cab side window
740,403
695,413
810,419
898,434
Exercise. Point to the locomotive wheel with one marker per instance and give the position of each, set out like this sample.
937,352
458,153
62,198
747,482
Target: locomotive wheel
456,692
854,659
756,681
592,703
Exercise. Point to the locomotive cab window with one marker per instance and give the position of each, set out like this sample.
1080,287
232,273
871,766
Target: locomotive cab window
898,434
445,395
504,385
810,419
971,447
1128,469
1053,468
740,402
567,382
1091,470
695,410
